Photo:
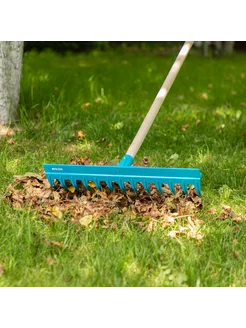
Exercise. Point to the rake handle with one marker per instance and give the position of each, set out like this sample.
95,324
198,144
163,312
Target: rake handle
159,99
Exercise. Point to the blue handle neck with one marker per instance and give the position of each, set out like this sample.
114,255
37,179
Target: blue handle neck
126,160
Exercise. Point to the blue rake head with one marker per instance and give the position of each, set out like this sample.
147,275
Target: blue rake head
121,174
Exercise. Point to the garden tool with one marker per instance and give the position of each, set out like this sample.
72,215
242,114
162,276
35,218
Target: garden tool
125,172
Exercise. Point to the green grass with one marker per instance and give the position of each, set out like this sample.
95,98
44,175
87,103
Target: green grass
54,92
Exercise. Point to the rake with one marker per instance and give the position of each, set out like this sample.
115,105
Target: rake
124,172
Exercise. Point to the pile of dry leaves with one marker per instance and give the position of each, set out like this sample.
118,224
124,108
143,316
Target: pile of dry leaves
105,208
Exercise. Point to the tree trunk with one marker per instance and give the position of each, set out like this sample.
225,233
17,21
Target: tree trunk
228,47
10,74
224,47
205,47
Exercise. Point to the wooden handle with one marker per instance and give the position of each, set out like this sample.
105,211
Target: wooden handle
154,109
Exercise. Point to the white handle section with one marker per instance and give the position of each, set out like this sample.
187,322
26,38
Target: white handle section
154,109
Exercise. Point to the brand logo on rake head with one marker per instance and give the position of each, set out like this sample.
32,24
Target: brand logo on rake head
57,169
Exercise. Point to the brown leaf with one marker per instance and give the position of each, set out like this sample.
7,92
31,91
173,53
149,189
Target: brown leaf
169,219
50,260
11,141
27,176
80,160
46,193
185,127
56,212
204,96
6,131
213,211
86,220
227,208
16,205
81,134
56,243
172,234
237,254
2,269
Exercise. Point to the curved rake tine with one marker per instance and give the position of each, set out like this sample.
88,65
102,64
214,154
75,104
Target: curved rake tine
184,188
63,183
74,183
122,185
171,187
146,186
133,186
97,183
159,187
109,185
51,181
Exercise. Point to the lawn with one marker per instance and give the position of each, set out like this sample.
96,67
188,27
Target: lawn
106,95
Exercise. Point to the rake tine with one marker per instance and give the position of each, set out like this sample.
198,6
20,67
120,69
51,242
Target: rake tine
74,183
133,185
109,184
146,186
122,185
51,181
97,183
63,183
159,187
197,187
184,187
171,187
85,183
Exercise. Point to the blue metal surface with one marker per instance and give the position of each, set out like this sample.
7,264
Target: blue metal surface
121,174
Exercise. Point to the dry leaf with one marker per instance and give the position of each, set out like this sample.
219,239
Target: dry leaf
86,220
46,193
56,212
50,261
91,184
169,219
56,243
121,103
2,269
213,211
172,234
204,95
6,131
227,208
237,254
185,127
11,141
71,189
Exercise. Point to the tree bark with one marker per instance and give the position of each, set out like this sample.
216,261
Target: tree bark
10,74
